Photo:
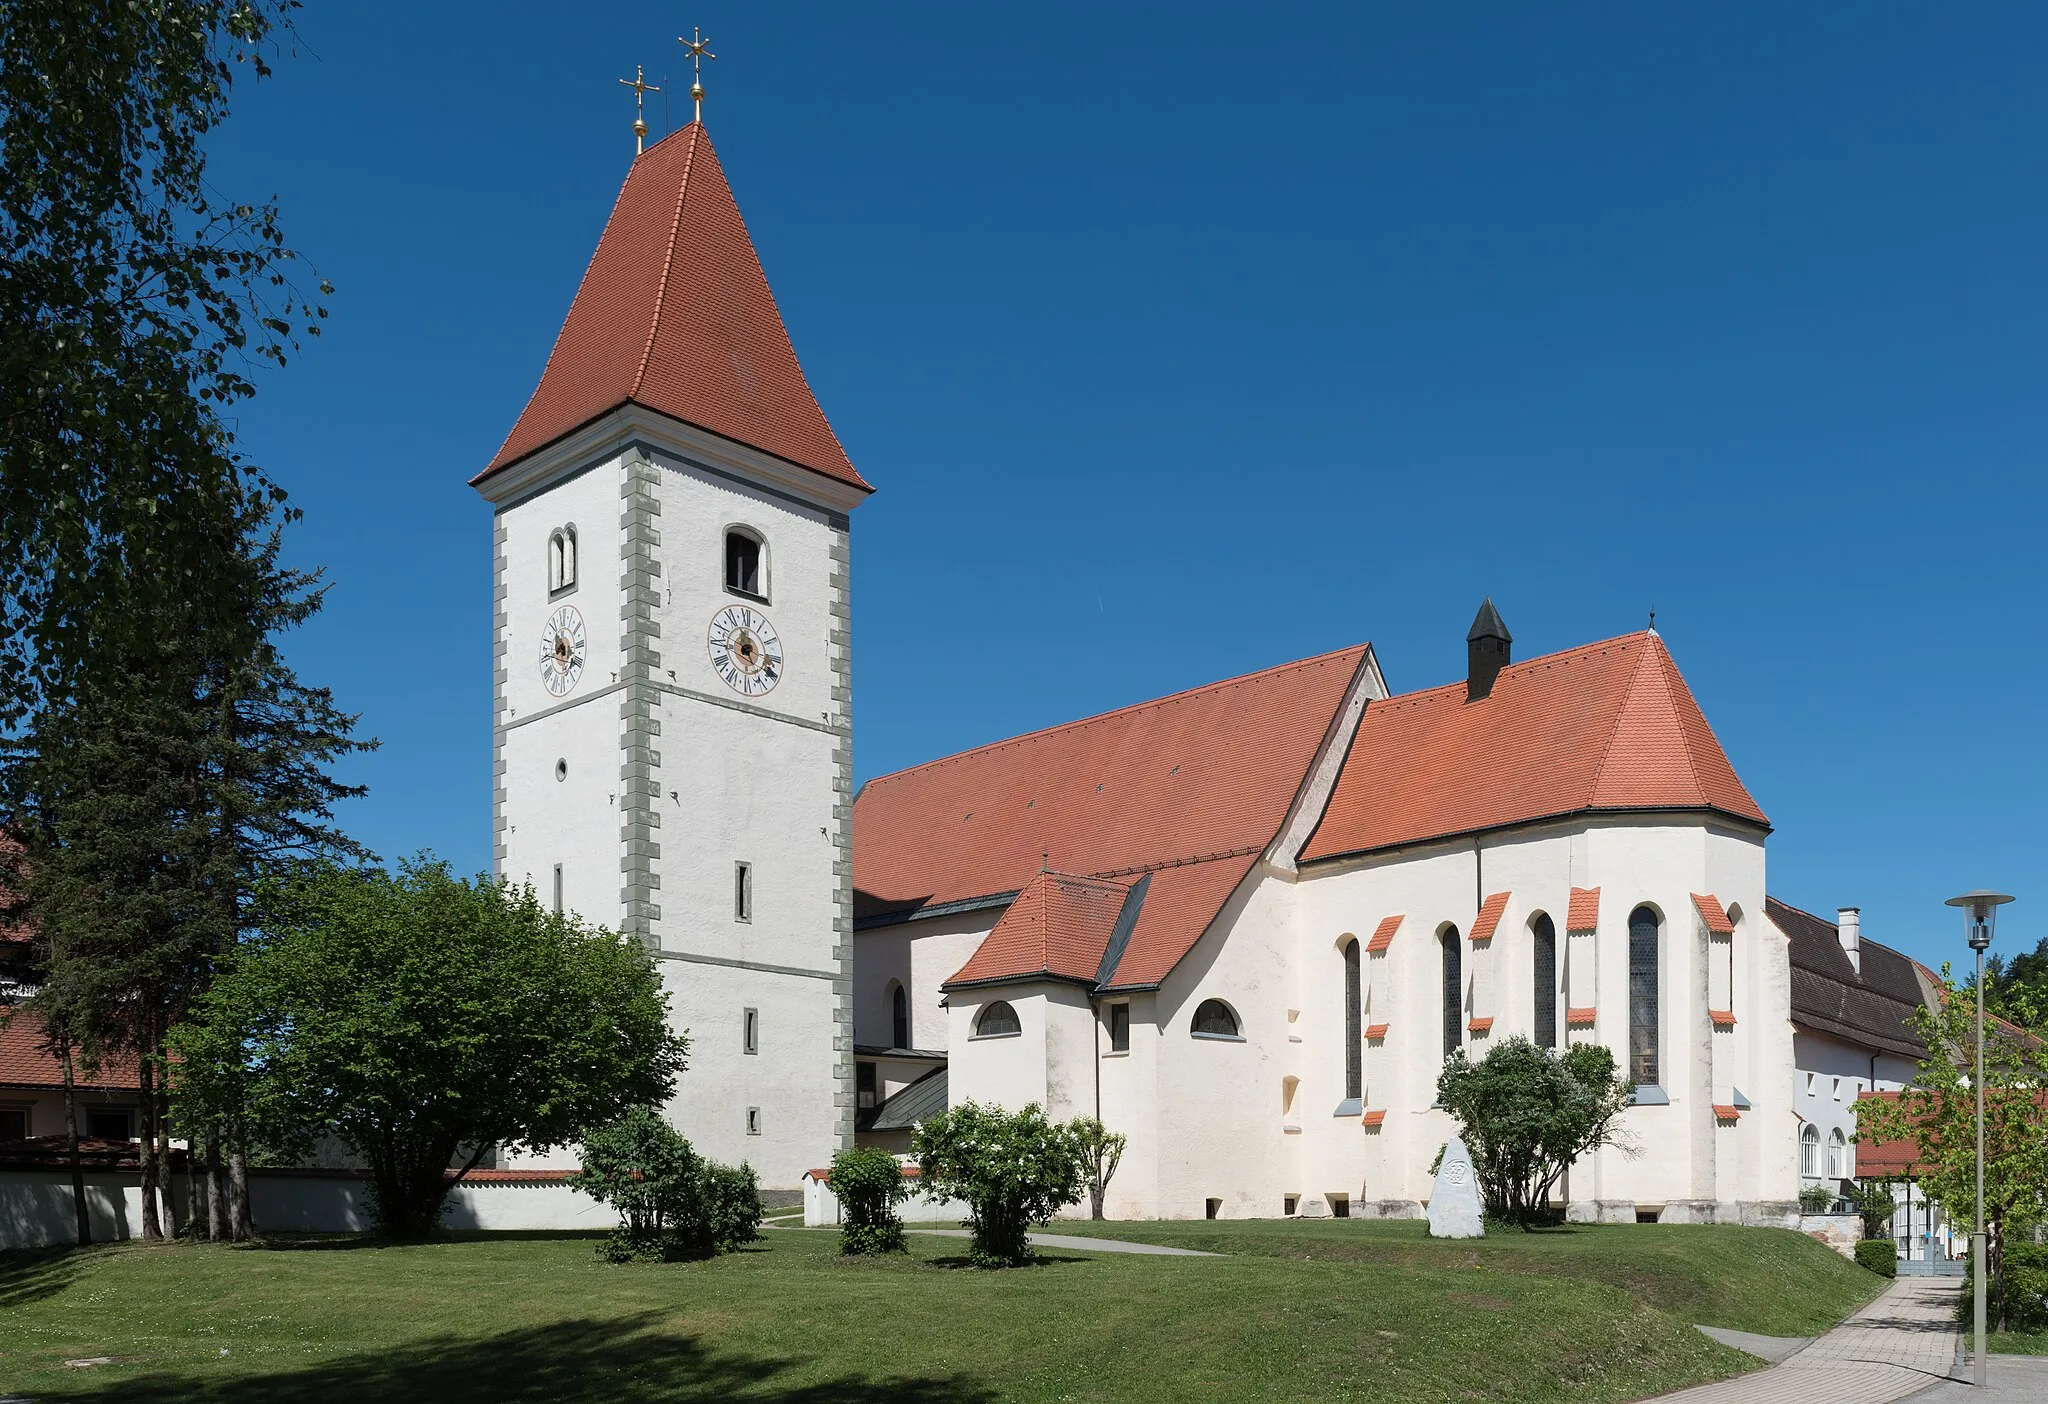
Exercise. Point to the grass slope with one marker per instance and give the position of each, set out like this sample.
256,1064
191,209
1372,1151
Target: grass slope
1296,1313
1746,1279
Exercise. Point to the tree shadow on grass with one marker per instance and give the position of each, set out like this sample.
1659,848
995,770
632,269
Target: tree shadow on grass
30,1274
624,1360
1034,1261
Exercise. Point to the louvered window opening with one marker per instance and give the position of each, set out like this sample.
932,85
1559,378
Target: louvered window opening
1642,997
1545,1021
1453,991
1354,1024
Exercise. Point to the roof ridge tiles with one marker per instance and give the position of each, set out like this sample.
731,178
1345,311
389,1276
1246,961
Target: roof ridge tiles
1129,709
668,258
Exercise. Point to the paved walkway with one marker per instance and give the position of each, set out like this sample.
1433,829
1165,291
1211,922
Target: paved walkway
1093,1245
1900,1344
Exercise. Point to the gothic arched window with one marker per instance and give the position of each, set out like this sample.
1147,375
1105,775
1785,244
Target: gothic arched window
1545,942
899,1017
998,1019
1809,1151
1453,990
1642,997
746,570
1354,1024
1214,1019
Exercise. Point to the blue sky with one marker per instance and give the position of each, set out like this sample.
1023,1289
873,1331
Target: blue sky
1185,340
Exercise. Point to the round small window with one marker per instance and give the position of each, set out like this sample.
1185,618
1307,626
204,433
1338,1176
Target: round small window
561,770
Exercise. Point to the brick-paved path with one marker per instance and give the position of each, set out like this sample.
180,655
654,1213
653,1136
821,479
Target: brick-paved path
1902,1342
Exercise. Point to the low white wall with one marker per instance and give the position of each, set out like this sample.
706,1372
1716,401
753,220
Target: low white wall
37,1211
821,1207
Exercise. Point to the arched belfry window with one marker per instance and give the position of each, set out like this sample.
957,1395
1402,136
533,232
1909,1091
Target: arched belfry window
746,565
1642,997
1809,1151
998,1019
1214,1019
1354,1024
899,1017
1544,941
561,559
1453,990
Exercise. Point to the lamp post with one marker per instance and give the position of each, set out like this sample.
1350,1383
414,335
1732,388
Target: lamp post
1980,913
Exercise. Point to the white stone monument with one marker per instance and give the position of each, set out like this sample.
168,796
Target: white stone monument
1454,1208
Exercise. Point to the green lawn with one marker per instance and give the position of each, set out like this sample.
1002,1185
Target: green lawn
1297,1312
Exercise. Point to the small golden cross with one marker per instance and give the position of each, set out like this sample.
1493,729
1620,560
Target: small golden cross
641,87
699,49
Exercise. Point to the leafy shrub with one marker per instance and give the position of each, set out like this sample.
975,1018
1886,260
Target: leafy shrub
869,1185
1816,1199
1527,1114
1013,1171
1879,1256
2026,1286
1874,1202
672,1202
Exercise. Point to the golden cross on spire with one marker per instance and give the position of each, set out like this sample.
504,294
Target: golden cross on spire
699,49
641,87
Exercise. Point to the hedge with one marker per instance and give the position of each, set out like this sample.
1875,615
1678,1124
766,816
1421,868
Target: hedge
1879,1255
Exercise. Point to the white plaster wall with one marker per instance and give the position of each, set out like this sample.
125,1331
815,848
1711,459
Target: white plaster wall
790,1079
37,1211
1007,1071
573,822
922,955
1828,1074
697,505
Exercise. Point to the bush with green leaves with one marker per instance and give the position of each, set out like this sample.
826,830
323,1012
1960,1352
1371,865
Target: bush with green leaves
1879,1255
423,1020
1527,1114
1012,1169
672,1203
1817,1199
2026,1286
869,1185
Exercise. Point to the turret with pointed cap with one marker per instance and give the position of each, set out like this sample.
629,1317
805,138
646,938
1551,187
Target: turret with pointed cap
1488,649
675,314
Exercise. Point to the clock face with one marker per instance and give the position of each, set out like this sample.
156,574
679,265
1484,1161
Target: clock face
562,651
745,651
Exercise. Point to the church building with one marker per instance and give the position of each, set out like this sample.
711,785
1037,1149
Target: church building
1245,925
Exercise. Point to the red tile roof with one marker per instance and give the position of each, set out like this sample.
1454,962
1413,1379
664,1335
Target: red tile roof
1481,1026
1584,912
1713,914
23,1063
1488,920
1384,937
1058,925
1375,1032
1191,788
674,313
1579,1018
1727,1112
1374,1119
1721,1018
1608,726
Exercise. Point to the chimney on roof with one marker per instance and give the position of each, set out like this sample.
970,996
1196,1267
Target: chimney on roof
1849,931
1488,649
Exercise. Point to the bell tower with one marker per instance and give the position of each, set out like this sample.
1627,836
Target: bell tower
673,670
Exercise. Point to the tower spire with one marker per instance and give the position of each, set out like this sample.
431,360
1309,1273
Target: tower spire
699,49
641,87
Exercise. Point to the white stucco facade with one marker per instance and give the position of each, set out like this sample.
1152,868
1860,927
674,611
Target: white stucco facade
639,790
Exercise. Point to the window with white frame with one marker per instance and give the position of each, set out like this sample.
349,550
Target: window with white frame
561,560
746,563
1809,1151
1838,1148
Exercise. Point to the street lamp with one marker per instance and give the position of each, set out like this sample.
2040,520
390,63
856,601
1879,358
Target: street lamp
1980,914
